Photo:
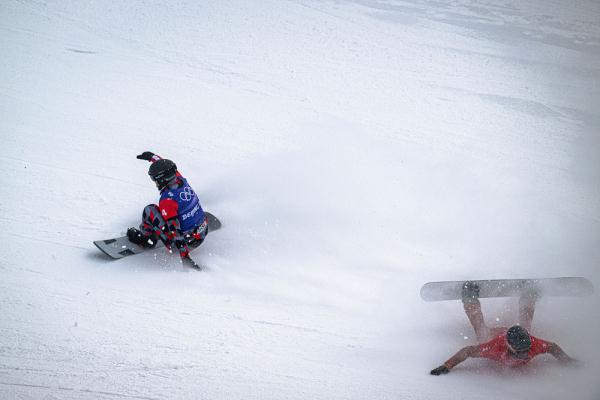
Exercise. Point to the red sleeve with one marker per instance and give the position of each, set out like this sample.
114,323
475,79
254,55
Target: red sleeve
168,208
493,349
538,346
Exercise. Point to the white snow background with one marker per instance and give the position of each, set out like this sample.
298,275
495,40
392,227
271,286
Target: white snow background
353,150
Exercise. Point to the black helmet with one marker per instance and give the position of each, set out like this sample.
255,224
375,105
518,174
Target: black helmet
162,172
518,338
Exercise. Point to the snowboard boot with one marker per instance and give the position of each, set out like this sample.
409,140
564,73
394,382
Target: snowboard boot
470,293
136,236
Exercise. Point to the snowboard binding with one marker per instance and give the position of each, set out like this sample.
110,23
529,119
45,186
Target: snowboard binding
135,236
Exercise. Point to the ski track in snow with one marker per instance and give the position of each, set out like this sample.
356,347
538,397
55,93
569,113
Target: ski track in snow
353,150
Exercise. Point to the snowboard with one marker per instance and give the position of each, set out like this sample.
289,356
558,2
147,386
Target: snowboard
121,247
564,286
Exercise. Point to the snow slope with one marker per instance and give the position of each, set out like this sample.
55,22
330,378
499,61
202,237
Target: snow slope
353,150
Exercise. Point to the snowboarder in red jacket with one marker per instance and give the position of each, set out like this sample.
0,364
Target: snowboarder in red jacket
512,346
178,219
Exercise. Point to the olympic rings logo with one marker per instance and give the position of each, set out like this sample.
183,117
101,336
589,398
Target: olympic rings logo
187,194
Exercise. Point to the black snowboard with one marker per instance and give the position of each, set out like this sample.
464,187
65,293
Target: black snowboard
121,247
566,286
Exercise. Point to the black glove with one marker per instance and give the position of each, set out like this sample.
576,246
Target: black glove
470,292
147,155
442,369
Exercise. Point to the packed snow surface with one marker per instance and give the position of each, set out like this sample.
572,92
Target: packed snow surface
353,150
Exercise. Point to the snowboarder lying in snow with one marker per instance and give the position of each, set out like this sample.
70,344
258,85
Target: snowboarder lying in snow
512,346
178,219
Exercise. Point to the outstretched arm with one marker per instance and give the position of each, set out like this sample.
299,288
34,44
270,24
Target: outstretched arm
150,156
560,355
462,355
